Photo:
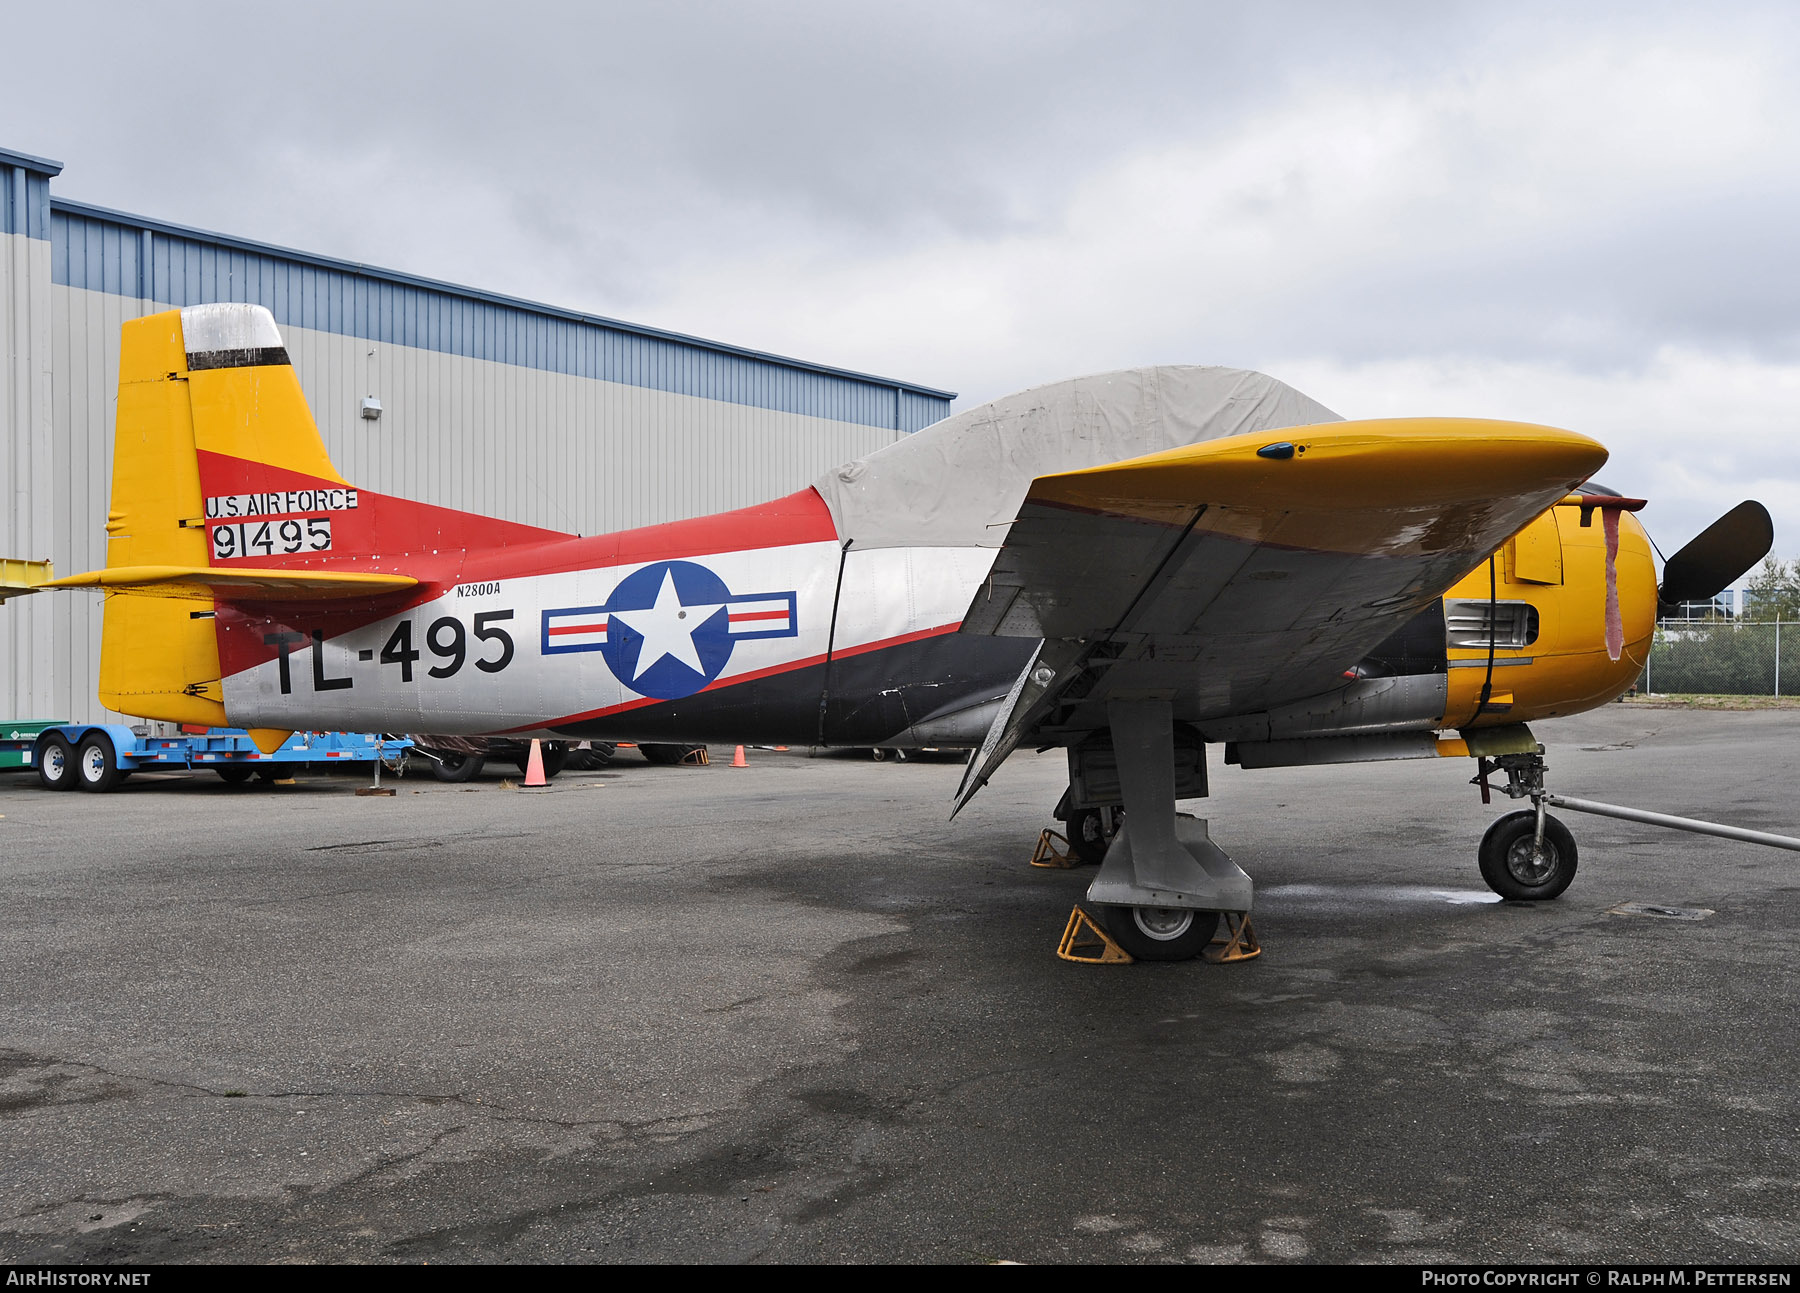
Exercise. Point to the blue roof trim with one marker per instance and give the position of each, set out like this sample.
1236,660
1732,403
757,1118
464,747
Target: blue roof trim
100,249
24,195
41,165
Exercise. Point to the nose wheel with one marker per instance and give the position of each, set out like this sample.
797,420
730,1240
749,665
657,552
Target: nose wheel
1517,865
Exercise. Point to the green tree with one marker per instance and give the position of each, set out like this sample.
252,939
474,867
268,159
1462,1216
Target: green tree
1774,590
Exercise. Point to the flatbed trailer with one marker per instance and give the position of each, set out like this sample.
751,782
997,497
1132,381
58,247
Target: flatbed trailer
98,756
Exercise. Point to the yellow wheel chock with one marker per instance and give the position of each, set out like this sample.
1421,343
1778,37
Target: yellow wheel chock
696,758
1047,854
1086,943
1239,943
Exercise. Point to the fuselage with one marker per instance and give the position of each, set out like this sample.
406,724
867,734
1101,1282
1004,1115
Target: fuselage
763,625
785,636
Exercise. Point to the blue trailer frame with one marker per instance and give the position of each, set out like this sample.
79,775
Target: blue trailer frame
97,756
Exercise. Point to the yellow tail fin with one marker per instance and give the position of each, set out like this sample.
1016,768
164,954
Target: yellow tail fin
159,657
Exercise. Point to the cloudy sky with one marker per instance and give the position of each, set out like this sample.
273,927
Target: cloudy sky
1581,215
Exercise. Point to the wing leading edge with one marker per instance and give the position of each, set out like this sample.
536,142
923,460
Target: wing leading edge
1240,575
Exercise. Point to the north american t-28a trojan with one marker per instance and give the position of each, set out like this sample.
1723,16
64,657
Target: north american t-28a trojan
1129,566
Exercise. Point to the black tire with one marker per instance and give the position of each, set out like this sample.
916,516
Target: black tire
234,774
600,753
457,767
97,764
667,755
1508,866
1087,833
1160,933
55,763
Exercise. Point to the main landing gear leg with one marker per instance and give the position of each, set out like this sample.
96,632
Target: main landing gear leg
1526,855
1164,882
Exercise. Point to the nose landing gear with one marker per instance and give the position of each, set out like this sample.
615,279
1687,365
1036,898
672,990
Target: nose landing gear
1530,855
1526,855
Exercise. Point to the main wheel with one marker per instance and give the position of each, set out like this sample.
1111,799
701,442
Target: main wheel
56,764
668,755
234,774
457,767
600,753
97,764
1088,835
1160,933
1508,864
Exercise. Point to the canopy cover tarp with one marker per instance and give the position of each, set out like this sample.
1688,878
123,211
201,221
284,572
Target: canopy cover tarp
959,482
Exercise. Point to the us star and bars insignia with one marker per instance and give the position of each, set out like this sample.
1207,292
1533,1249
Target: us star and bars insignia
669,628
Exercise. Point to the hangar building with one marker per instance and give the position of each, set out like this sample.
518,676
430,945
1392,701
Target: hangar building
488,403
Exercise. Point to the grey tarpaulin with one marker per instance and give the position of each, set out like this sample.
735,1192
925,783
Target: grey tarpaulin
960,482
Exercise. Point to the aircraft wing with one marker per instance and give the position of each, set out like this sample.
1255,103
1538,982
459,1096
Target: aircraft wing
1240,574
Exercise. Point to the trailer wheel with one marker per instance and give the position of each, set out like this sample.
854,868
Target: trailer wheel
234,774
97,763
56,763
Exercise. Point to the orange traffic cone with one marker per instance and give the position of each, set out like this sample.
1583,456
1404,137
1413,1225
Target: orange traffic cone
534,769
737,760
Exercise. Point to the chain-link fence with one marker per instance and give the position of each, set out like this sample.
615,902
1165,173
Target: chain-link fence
1724,658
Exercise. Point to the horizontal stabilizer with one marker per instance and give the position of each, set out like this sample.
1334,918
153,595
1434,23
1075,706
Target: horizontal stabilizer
237,583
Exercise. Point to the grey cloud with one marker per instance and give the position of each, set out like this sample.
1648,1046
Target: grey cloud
596,155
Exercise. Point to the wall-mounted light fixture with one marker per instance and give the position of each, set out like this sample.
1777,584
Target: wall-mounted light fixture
371,408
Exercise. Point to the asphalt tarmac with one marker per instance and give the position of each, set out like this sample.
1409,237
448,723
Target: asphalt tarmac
792,1013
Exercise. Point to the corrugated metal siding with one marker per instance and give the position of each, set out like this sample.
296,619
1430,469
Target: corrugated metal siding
107,252
28,516
546,448
84,395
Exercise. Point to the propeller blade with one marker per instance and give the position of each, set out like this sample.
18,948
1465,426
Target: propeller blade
1720,553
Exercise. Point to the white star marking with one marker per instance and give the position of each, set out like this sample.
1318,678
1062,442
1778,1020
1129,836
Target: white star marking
667,628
